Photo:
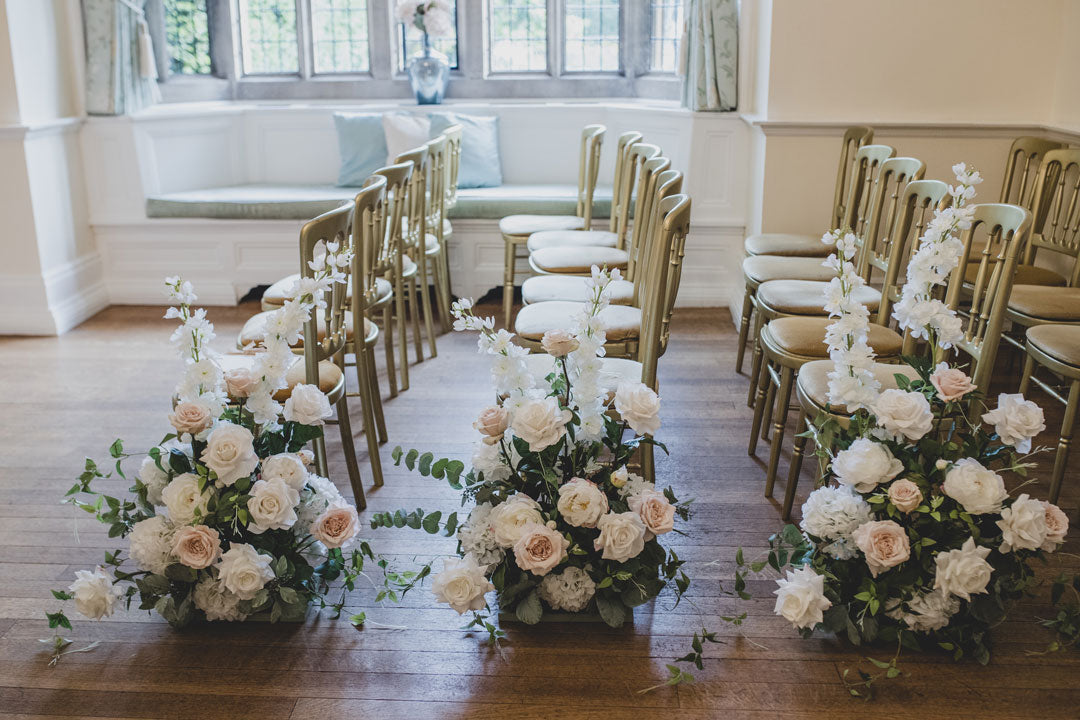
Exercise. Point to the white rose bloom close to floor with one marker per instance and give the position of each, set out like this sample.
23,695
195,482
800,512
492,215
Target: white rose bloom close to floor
462,584
800,598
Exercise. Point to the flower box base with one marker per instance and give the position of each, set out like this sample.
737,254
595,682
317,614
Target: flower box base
553,616
264,617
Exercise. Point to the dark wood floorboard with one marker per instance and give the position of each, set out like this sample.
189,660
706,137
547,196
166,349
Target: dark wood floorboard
68,397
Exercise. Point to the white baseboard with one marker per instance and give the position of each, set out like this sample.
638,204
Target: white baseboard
24,306
76,291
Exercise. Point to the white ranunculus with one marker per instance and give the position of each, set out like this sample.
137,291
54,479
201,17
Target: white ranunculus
963,572
153,478
865,465
570,590
978,489
150,544
230,453
1057,526
462,584
800,598
183,500
287,466
509,518
272,505
582,503
834,512
1023,524
622,536
244,571
307,405
212,598
638,406
541,423
95,593
1016,421
903,414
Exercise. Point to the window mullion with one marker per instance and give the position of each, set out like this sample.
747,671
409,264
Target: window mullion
381,29
304,40
556,21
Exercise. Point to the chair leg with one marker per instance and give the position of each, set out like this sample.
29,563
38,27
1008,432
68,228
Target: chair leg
441,299
648,461
759,410
414,313
376,397
444,283
1029,368
1062,456
755,359
424,280
388,345
744,327
320,456
368,413
508,281
349,449
783,397
770,402
403,337
795,468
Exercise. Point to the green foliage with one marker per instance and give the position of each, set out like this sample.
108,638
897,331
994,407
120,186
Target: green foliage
676,676
417,519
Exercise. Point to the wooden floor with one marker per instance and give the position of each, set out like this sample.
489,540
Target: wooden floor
64,398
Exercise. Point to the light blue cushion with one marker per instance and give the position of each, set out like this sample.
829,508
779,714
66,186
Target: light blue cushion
479,166
362,146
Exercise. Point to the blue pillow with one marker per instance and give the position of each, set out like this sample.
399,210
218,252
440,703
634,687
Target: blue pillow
362,146
479,167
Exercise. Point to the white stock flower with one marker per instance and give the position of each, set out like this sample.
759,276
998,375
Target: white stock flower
150,544
244,571
581,503
477,537
230,453
570,590
461,584
183,500
307,405
287,466
1023,525
153,478
622,536
834,512
272,505
638,406
903,415
963,572
800,598
215,601
96,595
1016,420
509,518
865,465
978,489
541,423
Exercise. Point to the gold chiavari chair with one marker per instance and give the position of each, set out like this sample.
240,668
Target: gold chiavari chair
1021,169
385,288
1056,348
414,270
435,242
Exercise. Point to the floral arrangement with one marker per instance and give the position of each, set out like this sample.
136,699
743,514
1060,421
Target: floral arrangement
227,519
558,521
434,18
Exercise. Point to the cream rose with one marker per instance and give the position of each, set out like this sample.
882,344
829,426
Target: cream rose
287,466
903,414
240,382
622,536
558,343
191,418
336,526
95,593
620,476
492,423
638,406
963,572
183,500
951,383
866,464
1016,420
582,503
905,495
461,584
1023,524
197,546
508,518
230,453
541,423
655,511
800,599
244,571
307,405
1057,526
540,549
272,506
978,489
884,543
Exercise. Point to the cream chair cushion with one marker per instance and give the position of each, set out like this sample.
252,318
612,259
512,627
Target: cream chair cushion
577,260
762,268
279,292
529,224
330,375
786,244
255,328
805,336
573,238
1061,342
1025,275
621,322
806,297
612,372
814,380
572,288
408,267
1048,303
431,244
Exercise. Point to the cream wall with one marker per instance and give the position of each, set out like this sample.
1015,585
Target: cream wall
1066,110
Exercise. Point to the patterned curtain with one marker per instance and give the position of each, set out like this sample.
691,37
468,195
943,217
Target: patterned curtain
120,73
710,52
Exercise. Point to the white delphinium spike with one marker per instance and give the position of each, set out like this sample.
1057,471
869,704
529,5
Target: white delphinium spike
851,381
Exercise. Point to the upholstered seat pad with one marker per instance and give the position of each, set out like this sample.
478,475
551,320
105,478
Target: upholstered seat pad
529,224
1048,303
612,372
573,260
762,268
330,375
621,322
282,290
431,244
572,238
1025,275
408,267
806,336
806,297
1061,342
786,244
255,328
572,288
814,380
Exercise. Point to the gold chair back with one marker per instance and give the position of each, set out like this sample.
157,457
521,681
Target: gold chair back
661,288
592,138
330,227
854,138
916,208
648,177
889,185
868,160
1025,155
397,178
618,205
636,157
435,191
664,183
371,253
453,164
1056,209
414,220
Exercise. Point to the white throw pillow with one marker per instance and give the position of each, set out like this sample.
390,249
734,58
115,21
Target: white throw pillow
404,132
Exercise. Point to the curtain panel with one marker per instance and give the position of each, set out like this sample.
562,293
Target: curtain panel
118,78
710,54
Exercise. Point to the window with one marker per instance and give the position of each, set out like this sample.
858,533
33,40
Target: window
518,31
268,37
339,31
187,34
666,34
591,31
411,42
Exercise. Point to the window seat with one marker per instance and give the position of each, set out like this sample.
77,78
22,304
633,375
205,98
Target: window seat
302,202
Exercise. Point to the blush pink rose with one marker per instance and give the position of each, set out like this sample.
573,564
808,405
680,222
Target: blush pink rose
540,549
905,495
1057,526
951,383
884,543
197,546
655,511
558,343
336,526
240,382
190,417
492,423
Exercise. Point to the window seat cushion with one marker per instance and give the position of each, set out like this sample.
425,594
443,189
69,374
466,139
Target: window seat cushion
302,202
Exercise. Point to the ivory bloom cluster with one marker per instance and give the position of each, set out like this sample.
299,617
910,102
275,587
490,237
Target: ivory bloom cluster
851,381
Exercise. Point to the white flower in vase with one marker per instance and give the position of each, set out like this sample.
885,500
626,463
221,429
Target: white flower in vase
541,423
462,584
1016,420
286,466
230,453
154,478
510,517
582,503
183,500
834,512
928,611
211,596
488,459
477,537
639,407
800,598
307,405
903,415
622,536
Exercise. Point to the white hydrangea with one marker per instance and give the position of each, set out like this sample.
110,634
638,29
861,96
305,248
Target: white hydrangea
570,590
833,513
153,478
489,460
476,536
842,548
927,612
218,603
150,544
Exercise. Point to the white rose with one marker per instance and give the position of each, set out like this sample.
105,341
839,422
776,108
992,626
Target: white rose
1057,526
153,478
243,571
95,593
978,489
638,406
182,499
307,405
287,466
800,599
230,452
963,572
865,465
622,536
212,598
620,476
272,506
150,544
903,414
462,584
541,423
582,503
1023,524
1016,421
510,517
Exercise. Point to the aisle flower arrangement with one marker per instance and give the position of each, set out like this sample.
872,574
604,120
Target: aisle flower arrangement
227,519
558,522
